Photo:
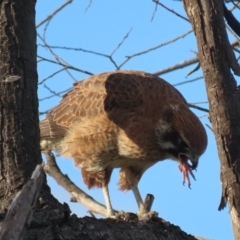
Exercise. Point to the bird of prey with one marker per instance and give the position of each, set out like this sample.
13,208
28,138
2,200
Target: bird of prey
123,119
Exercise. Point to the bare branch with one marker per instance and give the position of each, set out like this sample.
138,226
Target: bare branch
213,133
156,47
51,91
120,44
196,103
188,81
154,12
198,108
54,13
53,170
177,66
193,70
161,45
43,113
58,59
75,49
170,10
54,95
88,6
52,75
66,66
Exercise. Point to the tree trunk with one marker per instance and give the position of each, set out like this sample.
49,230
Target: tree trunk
217,59
19,151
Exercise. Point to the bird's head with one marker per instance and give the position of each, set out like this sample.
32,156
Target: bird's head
182,136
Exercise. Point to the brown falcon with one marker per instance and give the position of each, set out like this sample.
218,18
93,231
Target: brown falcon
123,119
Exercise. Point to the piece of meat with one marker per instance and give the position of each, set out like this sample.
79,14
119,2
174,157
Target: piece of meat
186,169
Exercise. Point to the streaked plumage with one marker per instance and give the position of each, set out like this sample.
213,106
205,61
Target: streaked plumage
123,119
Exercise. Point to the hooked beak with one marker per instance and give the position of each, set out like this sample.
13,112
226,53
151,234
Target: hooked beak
194,162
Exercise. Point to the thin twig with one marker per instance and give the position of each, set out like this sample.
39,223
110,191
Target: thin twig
50,76
58,59
177,66
170,10
196,103
66,66
54,95
88,6
75,49
51,91
43,113
156,47
54,13
123,40
161,45
154,12
193,70
209,127
187,81
198,108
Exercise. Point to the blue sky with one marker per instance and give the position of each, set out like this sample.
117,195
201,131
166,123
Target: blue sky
101,29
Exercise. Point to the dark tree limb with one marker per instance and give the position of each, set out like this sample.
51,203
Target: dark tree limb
216,58
231,20
20,212
89,228
148,202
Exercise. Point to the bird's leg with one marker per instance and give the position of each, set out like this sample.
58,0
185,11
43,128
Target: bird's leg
139,200
110,212
133,179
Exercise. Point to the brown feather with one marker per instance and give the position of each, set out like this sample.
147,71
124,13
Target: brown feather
96,178
111,120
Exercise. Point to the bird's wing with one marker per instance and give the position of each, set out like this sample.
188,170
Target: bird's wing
83,101
121,95
140,95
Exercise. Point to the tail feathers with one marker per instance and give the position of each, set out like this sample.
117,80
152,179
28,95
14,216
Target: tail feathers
50,129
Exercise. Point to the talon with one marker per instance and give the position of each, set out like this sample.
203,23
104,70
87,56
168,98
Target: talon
145,217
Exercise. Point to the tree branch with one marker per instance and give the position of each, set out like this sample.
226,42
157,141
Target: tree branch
20,212
54,13
53,170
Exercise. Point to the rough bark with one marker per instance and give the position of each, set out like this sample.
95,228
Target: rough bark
51,222
19,151
217,61
100,229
